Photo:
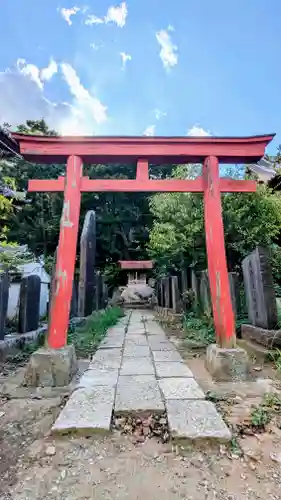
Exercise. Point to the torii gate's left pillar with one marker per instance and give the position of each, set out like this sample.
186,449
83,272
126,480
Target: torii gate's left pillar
55,364
66,255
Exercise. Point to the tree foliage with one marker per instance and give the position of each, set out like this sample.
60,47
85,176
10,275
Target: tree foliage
178,235
123,219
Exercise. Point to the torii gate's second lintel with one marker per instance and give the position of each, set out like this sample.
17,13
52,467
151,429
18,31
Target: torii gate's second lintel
144,150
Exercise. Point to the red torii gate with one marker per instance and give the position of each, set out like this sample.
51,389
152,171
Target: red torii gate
143,150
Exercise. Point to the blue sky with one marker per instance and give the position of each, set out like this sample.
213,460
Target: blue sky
143,66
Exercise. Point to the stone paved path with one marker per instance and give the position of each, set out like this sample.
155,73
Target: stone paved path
136,370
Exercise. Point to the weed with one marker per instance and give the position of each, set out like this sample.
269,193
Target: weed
235,448
87,337
200,329
272,400
263,414
260,417
275,356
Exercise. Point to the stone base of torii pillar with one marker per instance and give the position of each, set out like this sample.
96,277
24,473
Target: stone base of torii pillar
49,367
227,365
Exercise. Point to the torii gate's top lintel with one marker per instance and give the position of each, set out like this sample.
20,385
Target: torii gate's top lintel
157,150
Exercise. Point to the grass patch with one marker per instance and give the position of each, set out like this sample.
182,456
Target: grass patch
86,338
275,356
269,408
199,330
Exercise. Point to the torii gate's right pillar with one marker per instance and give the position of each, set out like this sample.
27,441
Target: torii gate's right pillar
225,361
217,264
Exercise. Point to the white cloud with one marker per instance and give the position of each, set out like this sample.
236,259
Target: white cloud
36,74
47,73
85,107
115,15
159,114
168,51
149,131
67,13
196,131
92,19
31,71
125,57
22,98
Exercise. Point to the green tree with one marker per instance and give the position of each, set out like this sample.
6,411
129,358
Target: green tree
178,235
35,222
123,219
36,127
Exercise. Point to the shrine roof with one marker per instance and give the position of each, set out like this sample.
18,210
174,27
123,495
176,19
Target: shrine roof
157,150
136,264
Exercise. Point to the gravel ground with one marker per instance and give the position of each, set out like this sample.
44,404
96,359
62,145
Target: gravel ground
34,465
113,468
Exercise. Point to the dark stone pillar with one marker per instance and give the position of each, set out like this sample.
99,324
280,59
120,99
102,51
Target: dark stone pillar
195,285
98,291
74,300
234,292
184,281
29,309
166,290
87,265
176,306
4,298
259,288
205,295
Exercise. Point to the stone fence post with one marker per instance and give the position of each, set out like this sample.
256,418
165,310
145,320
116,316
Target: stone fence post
176,302
87,265
29,303
195,286
259,288
4,298
205,295
166,292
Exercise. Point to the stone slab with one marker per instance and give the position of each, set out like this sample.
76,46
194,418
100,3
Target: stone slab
88,410
137,331
106,365
227,364
137,366
174,369
136,340
51,367
104,355
159,337
154,329
168,356
161,345
180,388
95,378
138,393
267,338
112,344
196,420
136,351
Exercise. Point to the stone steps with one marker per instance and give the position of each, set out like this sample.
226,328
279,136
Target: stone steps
137,370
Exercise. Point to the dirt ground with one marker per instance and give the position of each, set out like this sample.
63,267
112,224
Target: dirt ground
34,465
